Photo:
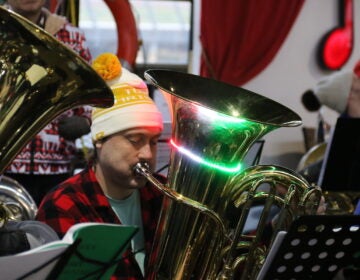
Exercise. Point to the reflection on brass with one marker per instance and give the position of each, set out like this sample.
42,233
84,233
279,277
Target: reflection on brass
40,78
340,203
15,202
337,202
314,155
207,199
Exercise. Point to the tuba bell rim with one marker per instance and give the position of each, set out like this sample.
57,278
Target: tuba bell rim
224,98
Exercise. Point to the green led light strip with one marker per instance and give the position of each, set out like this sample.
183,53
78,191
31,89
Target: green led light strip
196,158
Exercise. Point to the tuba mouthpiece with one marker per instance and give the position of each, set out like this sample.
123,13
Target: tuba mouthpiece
142,168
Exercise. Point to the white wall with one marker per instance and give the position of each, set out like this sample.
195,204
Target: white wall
294,70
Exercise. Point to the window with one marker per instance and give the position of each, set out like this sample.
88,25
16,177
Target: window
164,30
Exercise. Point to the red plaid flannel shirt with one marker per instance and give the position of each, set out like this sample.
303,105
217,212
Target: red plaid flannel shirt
80,199
48,153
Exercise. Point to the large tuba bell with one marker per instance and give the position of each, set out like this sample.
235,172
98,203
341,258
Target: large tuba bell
209,194
39,79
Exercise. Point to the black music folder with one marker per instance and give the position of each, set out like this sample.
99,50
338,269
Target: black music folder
315,247
341,165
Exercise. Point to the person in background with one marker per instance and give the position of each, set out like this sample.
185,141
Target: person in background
339,92
335,92
109,190
46,160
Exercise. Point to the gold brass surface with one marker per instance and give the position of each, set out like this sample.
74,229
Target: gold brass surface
40,78
341,203
315,154
15,202
214,125
337,202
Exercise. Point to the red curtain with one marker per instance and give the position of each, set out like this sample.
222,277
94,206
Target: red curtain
240,37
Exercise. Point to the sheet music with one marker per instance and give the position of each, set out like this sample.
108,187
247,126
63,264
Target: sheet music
15,266
98,242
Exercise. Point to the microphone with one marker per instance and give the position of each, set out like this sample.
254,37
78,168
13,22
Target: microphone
73,127
310,101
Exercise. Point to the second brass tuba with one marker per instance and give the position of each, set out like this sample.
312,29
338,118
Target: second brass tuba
209,194
39,79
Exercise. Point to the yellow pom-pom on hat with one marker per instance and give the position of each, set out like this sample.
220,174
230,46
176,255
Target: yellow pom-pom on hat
133,106
108,66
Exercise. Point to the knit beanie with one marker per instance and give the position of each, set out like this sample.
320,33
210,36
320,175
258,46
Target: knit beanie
333,91
132,107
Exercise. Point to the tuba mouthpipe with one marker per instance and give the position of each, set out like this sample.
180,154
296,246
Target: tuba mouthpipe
142,169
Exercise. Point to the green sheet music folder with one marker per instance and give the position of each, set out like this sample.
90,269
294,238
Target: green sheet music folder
97,250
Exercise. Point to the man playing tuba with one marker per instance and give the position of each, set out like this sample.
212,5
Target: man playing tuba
109,190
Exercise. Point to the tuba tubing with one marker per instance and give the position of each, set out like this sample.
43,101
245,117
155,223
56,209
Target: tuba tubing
37,71
40,78
213,126
142,169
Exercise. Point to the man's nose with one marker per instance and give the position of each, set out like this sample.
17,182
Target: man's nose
146,152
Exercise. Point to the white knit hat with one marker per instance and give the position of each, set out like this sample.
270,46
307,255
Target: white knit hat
333,91
132,107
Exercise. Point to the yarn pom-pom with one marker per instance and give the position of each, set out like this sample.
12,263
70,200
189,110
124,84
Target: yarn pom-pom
108,66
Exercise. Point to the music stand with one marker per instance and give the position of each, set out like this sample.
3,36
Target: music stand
315,247
341,164
253,156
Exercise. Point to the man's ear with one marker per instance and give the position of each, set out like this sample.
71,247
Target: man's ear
98,144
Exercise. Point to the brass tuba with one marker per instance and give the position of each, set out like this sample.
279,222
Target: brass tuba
39,79
209,194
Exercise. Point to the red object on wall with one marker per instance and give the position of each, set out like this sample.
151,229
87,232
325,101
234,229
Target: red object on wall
127,34
357,68
128,41
337,45
240,37
52,5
